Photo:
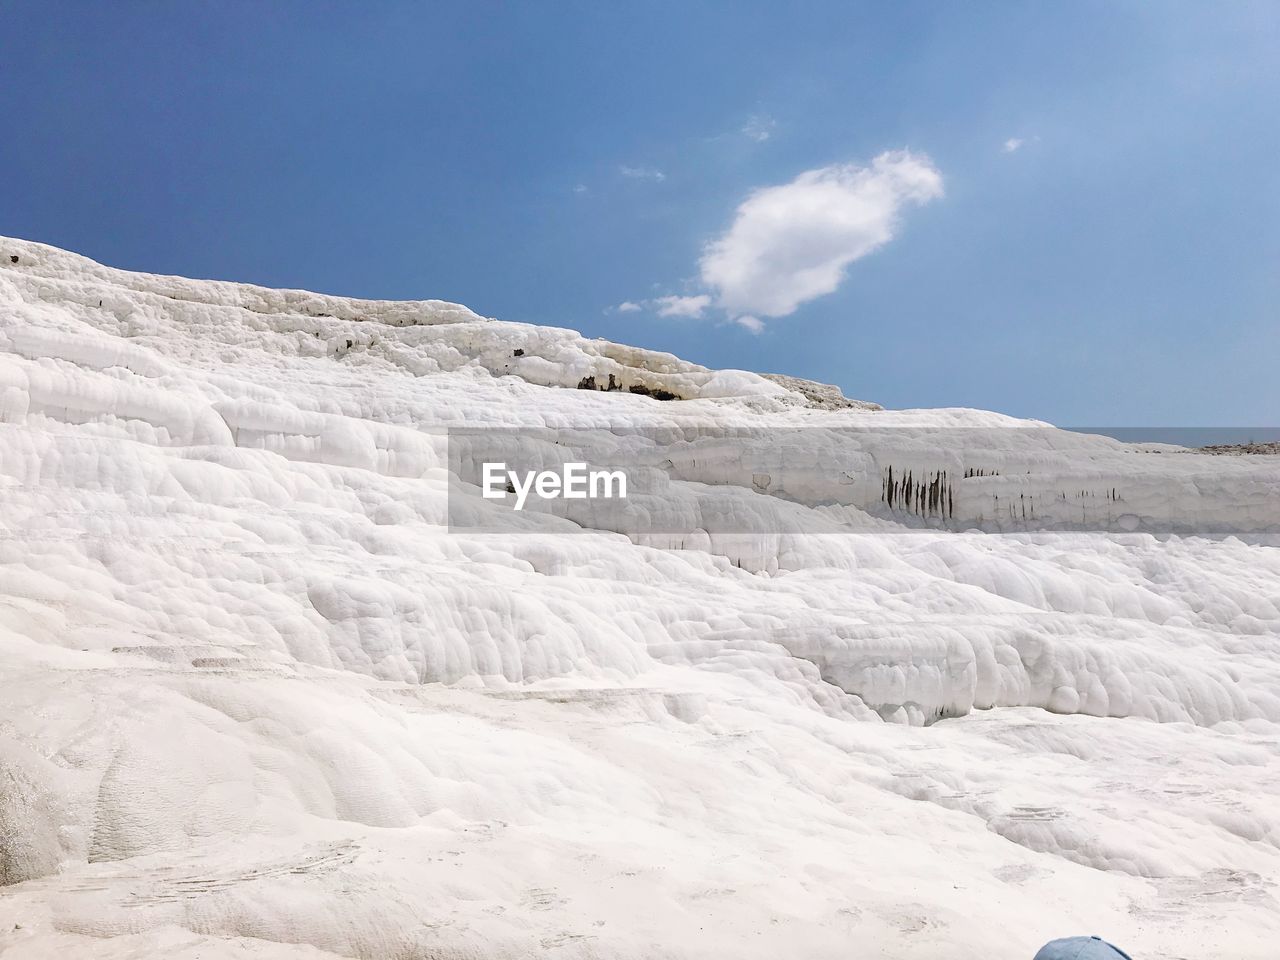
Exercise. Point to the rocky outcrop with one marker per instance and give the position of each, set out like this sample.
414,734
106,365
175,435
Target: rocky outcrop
823,396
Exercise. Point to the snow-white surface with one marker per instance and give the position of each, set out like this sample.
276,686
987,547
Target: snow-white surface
257,700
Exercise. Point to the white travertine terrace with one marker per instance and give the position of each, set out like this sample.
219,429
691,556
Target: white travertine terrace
257,700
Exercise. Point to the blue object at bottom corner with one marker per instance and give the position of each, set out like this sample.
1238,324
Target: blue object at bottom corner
1080,948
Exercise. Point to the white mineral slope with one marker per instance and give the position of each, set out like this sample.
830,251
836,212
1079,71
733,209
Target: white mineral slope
258,700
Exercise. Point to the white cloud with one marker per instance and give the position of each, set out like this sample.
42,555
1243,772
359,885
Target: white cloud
689,307
759,127
642,173
1013,144
792,243
580,188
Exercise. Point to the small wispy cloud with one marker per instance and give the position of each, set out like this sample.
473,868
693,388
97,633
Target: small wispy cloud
759,127
580,188
1013,145
691,308
642,173
754,324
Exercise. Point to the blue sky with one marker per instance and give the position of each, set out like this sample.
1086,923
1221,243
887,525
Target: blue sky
1101,243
